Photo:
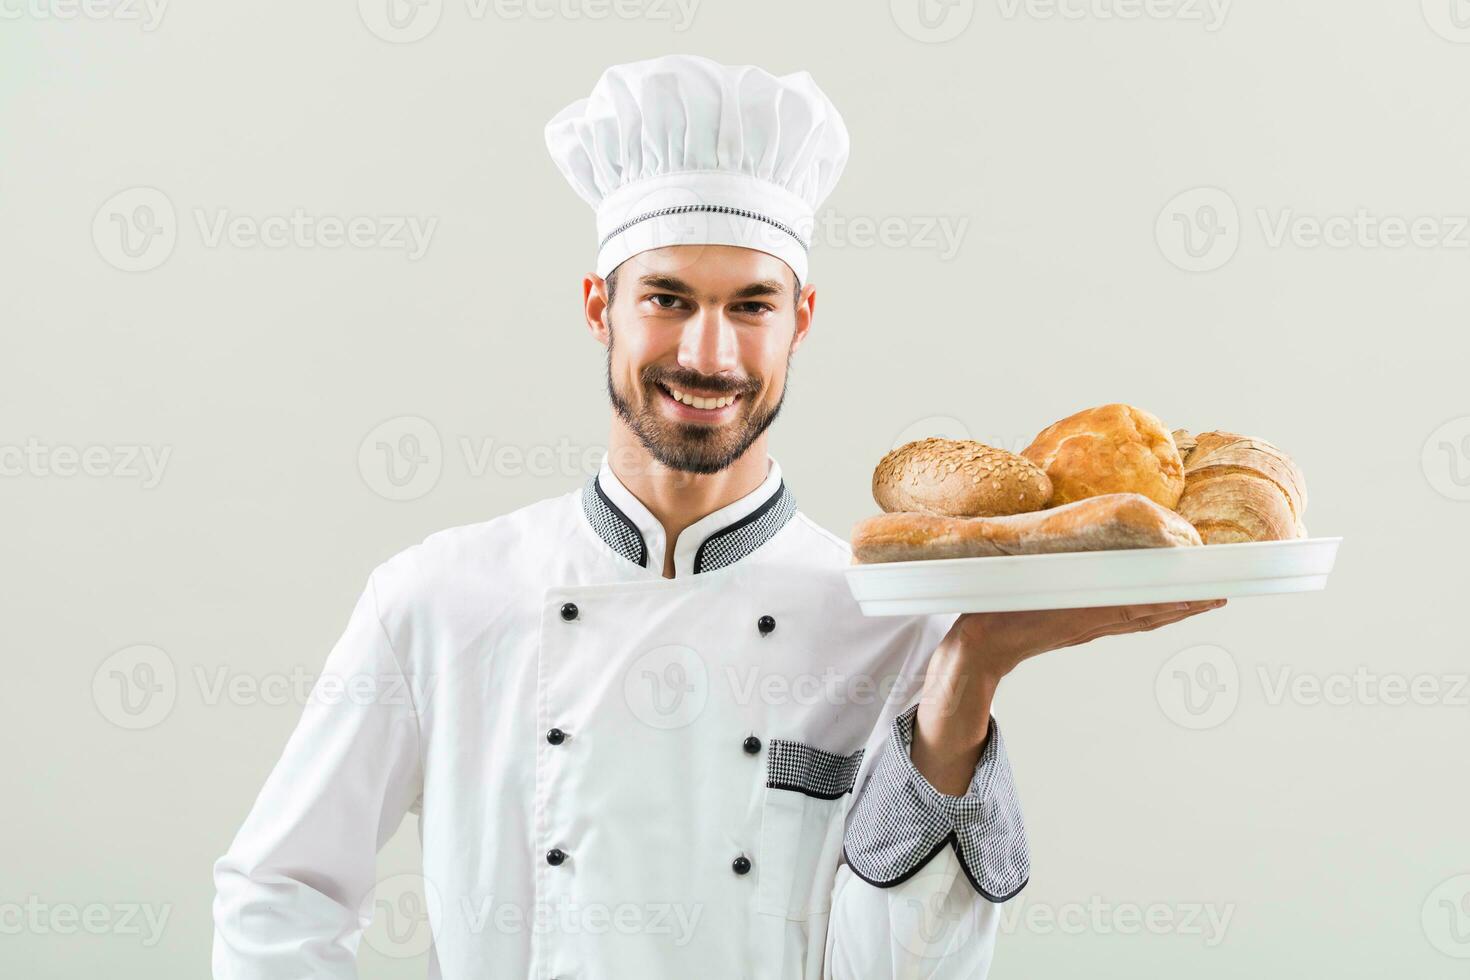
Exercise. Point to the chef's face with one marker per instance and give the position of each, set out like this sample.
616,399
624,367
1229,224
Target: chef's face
699,341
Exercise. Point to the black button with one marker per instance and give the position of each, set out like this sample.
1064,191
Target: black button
741,864
752,744
569,611
765,624
555,856
556,736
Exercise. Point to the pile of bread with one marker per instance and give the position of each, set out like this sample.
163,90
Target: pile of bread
1105,478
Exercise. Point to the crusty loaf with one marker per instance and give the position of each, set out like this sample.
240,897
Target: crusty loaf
958,478
1185,443
1113,448
1103,523
1242,489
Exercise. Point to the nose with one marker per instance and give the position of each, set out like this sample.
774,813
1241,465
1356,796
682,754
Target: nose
708,344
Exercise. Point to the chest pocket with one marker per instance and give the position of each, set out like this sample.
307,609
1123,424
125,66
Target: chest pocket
801,826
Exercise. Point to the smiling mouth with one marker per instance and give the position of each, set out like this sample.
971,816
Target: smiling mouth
695,405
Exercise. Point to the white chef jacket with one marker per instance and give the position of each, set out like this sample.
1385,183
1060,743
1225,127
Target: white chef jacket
635,777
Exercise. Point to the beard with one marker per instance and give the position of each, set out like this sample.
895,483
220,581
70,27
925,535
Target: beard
691,447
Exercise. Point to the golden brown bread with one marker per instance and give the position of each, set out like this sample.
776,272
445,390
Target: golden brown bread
1109,449
1111,521
1185,443
1242,489
958,478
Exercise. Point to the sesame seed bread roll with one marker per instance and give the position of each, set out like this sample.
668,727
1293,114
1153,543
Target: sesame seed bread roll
958,478
1106,523
1109,449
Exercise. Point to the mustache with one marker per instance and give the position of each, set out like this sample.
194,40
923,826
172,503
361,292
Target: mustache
698,382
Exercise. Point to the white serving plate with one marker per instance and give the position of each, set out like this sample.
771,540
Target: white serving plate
1075,580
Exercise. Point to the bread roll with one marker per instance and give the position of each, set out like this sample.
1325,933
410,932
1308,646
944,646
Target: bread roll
958,478
1185,443
1242,489
1109,449
1112,521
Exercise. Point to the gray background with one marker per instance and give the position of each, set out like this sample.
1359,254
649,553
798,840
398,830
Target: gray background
1058,141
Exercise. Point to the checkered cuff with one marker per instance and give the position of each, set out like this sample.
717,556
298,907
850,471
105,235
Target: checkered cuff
899,821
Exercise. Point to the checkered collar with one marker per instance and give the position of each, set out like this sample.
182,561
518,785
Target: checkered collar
714,541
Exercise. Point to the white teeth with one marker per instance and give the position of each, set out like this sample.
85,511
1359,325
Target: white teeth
698,402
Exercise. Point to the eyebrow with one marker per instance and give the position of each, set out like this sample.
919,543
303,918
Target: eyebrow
673,284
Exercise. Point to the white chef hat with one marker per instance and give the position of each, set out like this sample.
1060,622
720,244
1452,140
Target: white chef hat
682,150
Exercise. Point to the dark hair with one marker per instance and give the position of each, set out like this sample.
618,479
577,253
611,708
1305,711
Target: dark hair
612,285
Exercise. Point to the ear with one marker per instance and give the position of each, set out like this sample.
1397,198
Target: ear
594,306
806,307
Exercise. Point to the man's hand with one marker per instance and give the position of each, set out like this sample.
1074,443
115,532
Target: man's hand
980,649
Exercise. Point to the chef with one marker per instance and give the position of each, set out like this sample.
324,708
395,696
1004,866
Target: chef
644,726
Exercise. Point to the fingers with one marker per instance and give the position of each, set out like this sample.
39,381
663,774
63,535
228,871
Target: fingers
1110,617
1154,622
1151,610
1161,614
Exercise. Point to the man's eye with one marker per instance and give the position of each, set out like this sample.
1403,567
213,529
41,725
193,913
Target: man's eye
754,307
659,298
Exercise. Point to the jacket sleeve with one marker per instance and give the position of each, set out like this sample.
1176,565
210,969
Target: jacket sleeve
918,893
290,891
